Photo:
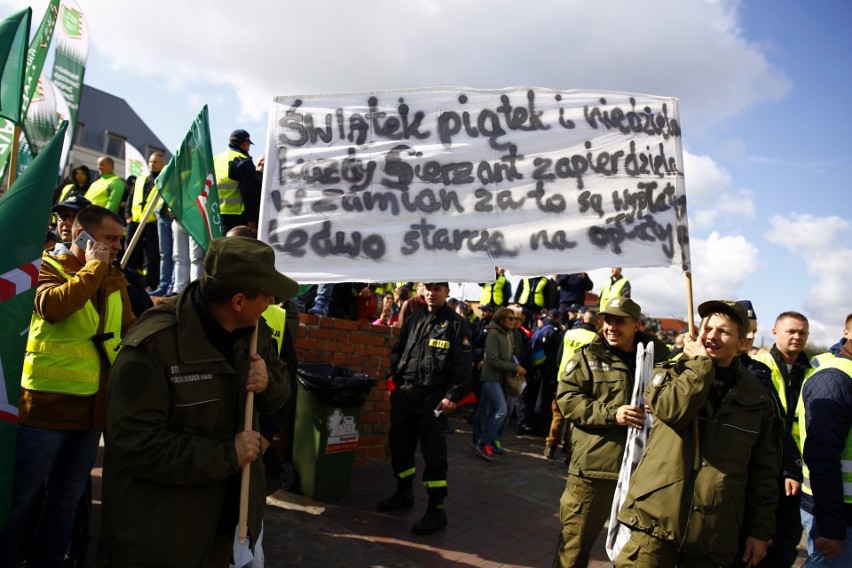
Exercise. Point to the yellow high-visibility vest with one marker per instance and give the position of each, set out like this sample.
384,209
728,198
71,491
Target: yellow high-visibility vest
538,298
612,290
138,204
844,365
230,199
61,357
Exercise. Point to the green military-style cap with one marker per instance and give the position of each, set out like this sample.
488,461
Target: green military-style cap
728,307
243,263
623,307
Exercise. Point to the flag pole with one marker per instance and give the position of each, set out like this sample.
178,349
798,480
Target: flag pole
247,425
690,318
13,158
138,234
690,304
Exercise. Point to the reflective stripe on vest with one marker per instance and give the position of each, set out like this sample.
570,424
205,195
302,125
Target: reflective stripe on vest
844,365
276,318
61,357
820,360
611,290
538,298
138,204
230,200
571,341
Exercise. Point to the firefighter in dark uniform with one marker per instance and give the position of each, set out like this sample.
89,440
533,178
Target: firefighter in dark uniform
430,366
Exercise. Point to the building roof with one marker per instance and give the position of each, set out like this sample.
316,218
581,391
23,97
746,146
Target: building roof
101,113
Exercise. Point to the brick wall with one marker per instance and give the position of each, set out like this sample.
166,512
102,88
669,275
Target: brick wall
364,348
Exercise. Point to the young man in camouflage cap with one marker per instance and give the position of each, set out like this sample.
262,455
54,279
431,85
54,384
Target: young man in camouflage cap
708,473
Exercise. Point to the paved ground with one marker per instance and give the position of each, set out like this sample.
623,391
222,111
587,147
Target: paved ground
501,513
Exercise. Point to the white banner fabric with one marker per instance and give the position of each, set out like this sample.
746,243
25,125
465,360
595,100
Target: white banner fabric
447,183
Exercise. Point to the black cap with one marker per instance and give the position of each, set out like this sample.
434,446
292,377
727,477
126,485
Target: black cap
75,203
746,304
553,314
240,136
733,309
489,307
444,284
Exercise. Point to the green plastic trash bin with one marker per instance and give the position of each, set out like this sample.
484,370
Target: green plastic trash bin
329,402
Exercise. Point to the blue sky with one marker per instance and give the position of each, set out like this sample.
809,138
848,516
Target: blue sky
763,88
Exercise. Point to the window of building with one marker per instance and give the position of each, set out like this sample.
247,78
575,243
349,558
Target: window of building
78,133
114,145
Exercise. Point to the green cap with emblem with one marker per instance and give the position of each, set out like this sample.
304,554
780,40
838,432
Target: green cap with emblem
623,307
243,263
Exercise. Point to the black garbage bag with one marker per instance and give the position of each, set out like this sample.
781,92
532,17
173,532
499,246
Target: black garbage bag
335,385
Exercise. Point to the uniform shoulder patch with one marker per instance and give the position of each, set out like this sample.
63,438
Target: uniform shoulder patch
658,379
572,364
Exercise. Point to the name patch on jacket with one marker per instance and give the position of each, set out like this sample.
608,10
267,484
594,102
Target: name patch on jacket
176,378
439,343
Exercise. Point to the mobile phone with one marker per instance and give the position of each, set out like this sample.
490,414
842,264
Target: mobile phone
83,239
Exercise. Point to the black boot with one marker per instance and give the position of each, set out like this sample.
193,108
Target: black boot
434,519
403,498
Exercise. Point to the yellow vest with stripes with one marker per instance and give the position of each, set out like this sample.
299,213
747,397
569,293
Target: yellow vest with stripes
138,204
538,298
230,199
65,191
611,290
61,357
844,365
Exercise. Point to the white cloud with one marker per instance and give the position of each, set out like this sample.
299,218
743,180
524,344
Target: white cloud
722,264
691,49
710,196
820,242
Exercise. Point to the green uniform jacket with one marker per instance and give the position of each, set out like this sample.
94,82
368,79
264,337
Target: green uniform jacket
592,387
734,490
174,406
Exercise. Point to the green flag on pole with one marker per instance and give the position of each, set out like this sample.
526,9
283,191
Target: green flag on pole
23,211
188,184
35,57
14,34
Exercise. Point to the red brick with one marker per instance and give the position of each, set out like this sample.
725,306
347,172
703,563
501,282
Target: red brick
343,337
378,351
307,343
345,324
326,322
325,334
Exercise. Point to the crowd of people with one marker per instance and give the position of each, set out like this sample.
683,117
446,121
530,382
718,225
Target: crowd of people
743,449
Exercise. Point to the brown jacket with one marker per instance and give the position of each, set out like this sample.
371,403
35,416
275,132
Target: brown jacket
56,299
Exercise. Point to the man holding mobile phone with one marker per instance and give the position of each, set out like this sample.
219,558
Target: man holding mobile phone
80,314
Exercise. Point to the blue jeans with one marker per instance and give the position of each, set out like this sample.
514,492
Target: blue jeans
64,459
842,560
167,263
490,413
510,404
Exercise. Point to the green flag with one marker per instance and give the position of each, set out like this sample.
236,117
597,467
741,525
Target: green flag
35,57
14,33
188,184
72,48
23,210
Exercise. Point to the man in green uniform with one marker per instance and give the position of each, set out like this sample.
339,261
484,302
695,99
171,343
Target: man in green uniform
175,442
594,394
708,473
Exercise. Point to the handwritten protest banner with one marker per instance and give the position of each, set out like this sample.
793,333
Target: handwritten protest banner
445,184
